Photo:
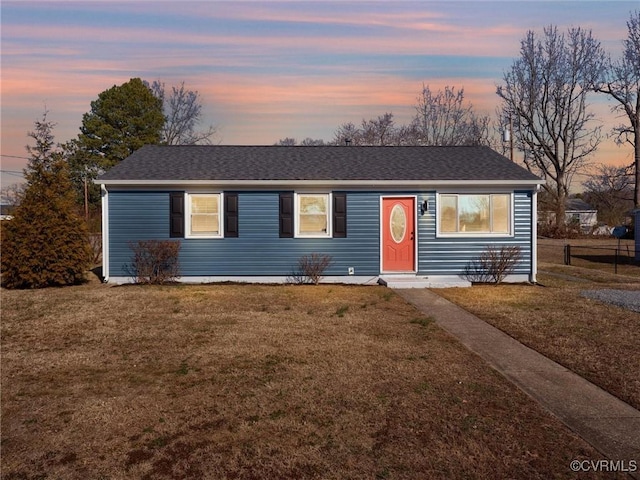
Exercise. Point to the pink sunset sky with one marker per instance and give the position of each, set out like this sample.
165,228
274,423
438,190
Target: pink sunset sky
269,70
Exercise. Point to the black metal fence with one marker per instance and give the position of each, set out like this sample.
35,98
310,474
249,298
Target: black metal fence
590,255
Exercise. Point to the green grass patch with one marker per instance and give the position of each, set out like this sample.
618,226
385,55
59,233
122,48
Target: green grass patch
423,321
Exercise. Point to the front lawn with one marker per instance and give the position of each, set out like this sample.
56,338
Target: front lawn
234,381
596,340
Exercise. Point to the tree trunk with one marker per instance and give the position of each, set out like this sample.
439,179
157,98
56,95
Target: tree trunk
561,224
636,166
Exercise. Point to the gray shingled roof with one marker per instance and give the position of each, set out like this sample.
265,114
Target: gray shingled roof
255,163
577,204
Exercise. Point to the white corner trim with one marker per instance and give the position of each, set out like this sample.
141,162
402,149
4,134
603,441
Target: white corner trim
105,231
534,235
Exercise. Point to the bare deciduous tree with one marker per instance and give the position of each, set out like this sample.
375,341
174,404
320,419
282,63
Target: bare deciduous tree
381,131
312,142
12,194
443,118
347,133
545,92
610,190
287,142
183,112
622,84
307,142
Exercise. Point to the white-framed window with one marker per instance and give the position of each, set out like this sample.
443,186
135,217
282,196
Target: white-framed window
312,212
203,215
475,214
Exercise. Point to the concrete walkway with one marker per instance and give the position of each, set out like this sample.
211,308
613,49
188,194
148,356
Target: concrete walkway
607,423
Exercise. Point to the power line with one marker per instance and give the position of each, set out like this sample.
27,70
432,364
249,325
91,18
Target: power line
13,172
14,156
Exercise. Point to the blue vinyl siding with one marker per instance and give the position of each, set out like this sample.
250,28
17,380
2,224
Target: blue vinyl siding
449,256
258,250
143,215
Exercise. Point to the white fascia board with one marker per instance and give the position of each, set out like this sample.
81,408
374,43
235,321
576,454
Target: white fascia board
266,184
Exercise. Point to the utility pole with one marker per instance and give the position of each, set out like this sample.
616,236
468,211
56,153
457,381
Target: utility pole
507,136
511,137
86,199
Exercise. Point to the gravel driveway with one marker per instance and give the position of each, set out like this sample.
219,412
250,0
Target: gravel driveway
629,299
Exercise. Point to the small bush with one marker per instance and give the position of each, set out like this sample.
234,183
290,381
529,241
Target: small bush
154,261
310,268
493,265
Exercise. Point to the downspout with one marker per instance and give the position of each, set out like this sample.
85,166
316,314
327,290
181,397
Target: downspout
534,234
105,232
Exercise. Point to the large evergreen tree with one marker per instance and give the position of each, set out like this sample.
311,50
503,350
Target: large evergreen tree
121,120
45,244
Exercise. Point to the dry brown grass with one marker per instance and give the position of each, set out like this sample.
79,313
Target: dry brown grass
592,253
596,340
254,382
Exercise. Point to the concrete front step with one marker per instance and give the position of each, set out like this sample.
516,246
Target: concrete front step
420,281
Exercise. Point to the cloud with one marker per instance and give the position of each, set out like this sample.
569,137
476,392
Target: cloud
269,70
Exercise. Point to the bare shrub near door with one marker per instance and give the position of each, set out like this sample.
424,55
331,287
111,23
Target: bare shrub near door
310,268
493,265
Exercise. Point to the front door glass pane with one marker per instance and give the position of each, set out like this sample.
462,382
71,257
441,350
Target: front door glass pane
398,223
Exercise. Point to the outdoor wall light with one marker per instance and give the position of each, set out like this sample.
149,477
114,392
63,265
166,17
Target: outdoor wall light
424,207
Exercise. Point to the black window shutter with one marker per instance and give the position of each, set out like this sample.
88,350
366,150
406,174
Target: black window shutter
176,214
286,215
340,215
230,214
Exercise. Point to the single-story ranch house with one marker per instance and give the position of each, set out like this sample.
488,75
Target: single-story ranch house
416,215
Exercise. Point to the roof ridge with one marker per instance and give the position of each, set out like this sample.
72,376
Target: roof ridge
318,163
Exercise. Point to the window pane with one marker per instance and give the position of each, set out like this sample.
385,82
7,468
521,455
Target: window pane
500,213
448,215
205,214
398,223
204,224
474,213
312,213
204,204
313,223
313,204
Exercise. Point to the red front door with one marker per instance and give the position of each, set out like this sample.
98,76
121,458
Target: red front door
398,234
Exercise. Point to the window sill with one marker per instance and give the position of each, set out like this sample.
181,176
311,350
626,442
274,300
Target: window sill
474,235
203,237
313,236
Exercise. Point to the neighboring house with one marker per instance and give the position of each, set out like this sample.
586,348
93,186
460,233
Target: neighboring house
248,213
578,211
